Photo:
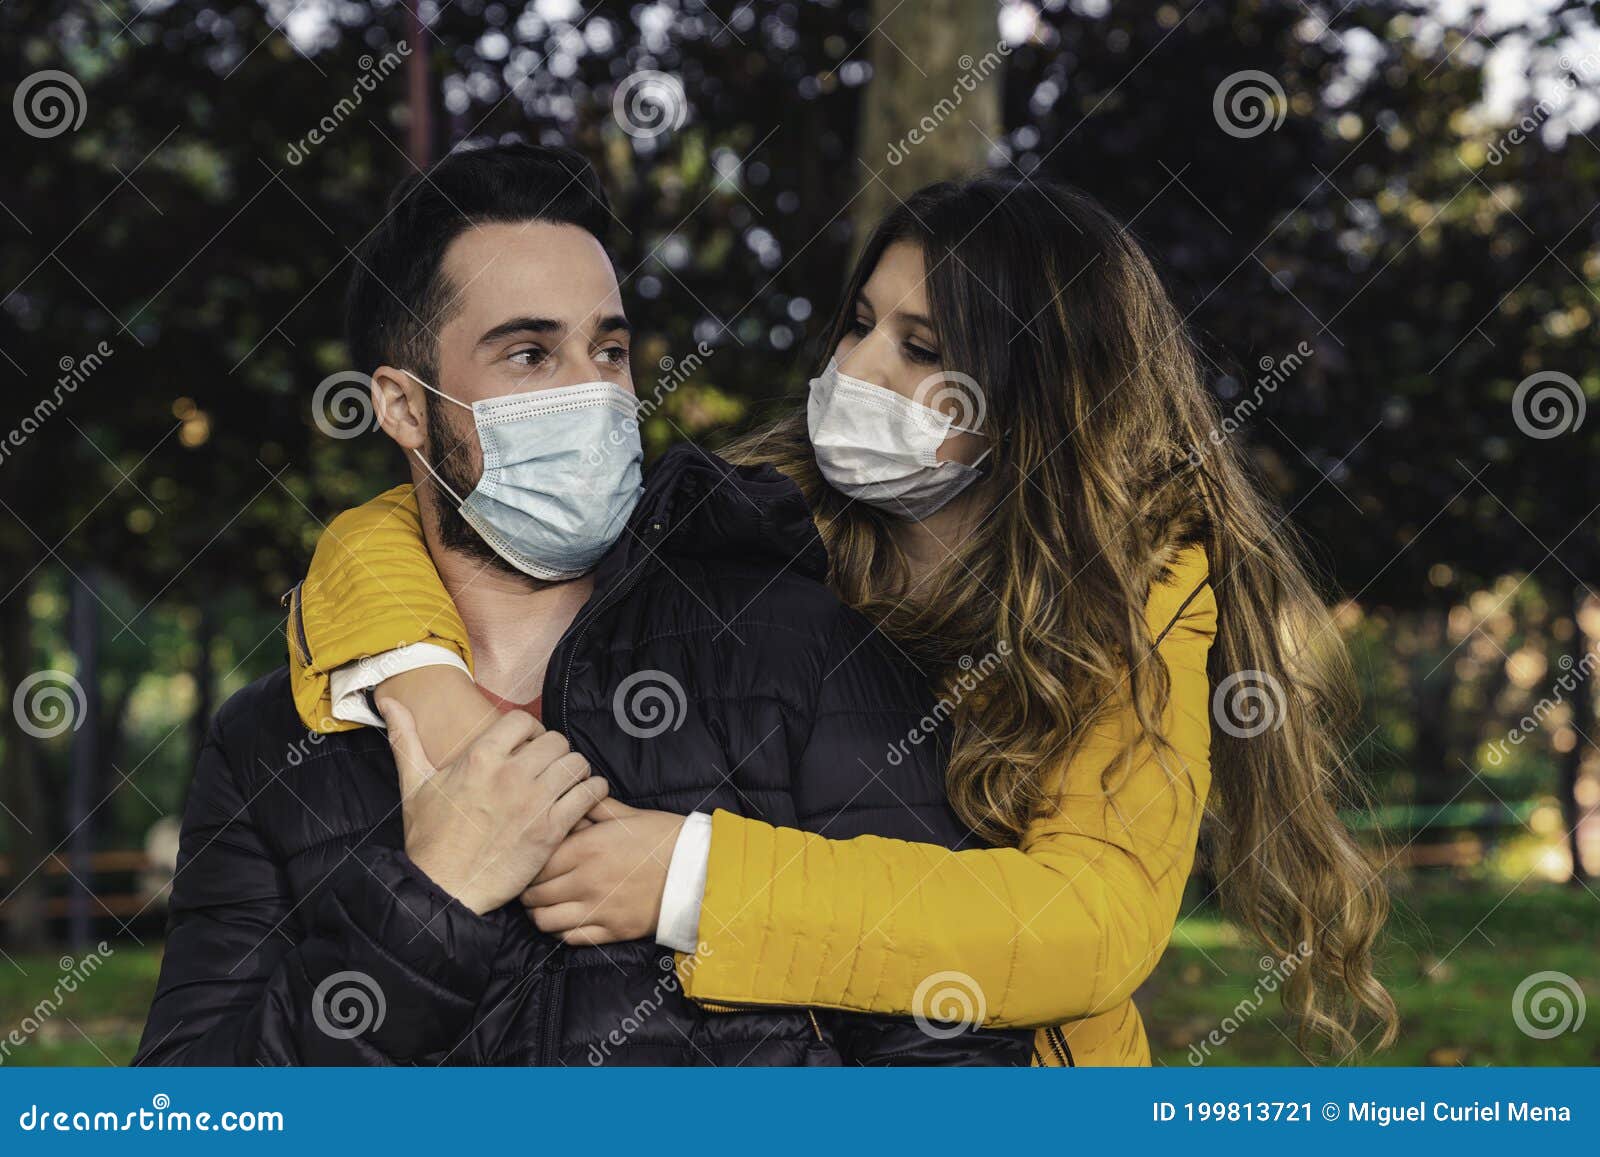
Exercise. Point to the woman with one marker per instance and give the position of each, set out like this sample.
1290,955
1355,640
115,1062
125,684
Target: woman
1011,459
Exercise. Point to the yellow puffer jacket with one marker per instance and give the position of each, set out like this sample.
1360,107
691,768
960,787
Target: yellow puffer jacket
1058,931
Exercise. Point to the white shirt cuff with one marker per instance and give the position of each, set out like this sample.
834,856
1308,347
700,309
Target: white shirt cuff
679,927
349,684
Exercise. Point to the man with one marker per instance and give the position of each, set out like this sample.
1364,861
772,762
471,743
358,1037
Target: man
332,907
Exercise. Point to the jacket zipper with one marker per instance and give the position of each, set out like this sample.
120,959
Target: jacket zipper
1058,1044
292,600
610,600
550,1052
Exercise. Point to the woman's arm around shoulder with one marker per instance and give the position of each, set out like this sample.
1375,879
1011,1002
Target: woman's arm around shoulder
1064,926
371,593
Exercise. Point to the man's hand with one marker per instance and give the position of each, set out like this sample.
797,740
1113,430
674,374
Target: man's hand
604,883
485,824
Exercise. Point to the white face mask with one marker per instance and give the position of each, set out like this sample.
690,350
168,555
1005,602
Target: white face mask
560,475
876,446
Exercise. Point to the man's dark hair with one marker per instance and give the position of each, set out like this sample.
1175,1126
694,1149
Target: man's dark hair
398,297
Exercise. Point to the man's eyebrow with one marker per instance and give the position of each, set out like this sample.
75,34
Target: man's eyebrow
516,325
613,323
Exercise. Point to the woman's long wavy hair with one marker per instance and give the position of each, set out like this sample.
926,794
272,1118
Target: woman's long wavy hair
1109,459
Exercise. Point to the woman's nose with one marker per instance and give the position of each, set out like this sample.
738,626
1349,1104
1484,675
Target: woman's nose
870,359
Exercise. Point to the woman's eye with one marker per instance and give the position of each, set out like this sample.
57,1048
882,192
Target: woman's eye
923,357
860,328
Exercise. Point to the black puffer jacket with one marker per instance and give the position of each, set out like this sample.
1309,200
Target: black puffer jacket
301,932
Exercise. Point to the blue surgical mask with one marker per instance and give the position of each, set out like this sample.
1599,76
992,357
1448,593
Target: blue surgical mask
560,475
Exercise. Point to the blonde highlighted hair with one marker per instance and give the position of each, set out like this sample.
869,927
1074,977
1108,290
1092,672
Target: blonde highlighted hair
1108,466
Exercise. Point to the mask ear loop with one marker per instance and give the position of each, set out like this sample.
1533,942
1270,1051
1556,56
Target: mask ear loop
426,465
987,450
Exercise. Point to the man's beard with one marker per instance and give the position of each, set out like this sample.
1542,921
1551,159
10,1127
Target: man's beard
449,453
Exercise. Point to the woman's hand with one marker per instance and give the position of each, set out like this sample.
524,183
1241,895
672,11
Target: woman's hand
604,883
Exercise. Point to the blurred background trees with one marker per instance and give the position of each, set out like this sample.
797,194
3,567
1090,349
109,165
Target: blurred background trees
1349,181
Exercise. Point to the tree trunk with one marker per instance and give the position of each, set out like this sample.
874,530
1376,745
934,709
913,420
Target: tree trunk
1438,777
22,891
85,776
1584,719
932,110
200,722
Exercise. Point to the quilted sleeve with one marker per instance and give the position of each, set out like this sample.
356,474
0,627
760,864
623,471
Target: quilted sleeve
377,966
371,588
1063,927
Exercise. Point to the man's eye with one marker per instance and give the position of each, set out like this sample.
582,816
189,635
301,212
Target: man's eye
528,357
617,355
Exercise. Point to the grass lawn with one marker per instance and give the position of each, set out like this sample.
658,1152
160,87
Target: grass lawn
1453,958
1455,954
